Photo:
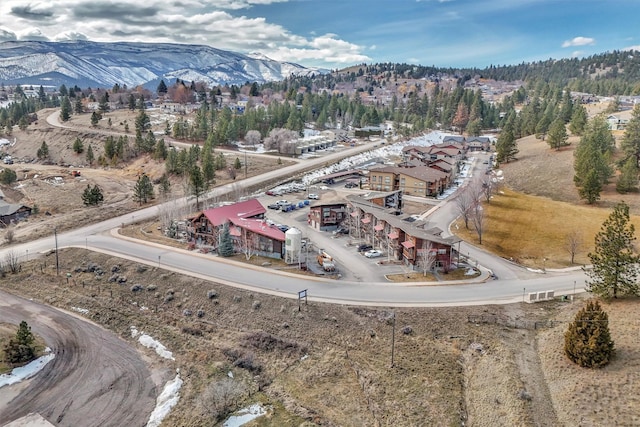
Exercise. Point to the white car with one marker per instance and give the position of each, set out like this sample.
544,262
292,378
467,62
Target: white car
313,196
373,253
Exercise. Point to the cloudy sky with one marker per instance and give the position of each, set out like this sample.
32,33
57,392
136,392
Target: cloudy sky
337,33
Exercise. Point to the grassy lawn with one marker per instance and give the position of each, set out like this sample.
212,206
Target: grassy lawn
530,229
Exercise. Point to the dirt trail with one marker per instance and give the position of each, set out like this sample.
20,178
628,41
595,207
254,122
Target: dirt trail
96,379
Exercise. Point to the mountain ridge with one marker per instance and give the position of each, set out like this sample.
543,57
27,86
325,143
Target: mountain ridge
100,64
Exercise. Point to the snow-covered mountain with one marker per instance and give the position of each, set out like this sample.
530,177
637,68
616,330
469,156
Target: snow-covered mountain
93,64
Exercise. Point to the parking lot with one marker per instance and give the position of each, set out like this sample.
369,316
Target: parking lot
350,264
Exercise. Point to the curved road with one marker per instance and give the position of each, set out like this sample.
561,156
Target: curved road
95,378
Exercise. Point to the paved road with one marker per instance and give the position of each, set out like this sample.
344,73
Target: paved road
95,379
513,279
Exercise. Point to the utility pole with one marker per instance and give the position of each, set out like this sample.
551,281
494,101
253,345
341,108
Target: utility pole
55,236
245,164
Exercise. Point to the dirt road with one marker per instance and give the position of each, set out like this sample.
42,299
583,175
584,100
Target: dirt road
96,378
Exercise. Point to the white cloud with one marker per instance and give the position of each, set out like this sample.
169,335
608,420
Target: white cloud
7,35
577,53
636,47
213,23
579,41
70,35
33,34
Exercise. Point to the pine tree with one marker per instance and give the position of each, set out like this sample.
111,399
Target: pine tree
92,195
225,247
162,88
78,147
628,179
557,137
197,184
21,349
579,120
591,187
614,260
631,140
90,157
143,189
506,146
65,109
587,342
43,151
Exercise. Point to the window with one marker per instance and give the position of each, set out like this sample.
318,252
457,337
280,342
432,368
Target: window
387,180
374,178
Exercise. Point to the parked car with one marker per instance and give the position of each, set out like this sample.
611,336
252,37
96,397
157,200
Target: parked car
274,206
350,185
373,253
364,247
313,196
341,230
282,202
283,227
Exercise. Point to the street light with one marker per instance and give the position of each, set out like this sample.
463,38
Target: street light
245,163
55,236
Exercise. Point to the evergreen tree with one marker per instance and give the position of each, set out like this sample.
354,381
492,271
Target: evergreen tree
614,260
225,247
95,118
65,109
90,157
197,184
21,349
579,120
143,189
208,166
78,147
237,164
506,146
631,140
165,186
628,178
43,151
557,135
92,195
591,187
162,88
587,342
78,108
8,176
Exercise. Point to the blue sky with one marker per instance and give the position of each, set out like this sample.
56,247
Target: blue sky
338,33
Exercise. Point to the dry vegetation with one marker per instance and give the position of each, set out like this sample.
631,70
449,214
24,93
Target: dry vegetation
324,365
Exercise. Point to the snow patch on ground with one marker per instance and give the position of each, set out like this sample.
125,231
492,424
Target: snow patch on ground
27,371
152,343
166,401
245,415
80,310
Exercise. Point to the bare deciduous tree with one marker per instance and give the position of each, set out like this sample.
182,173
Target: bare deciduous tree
252,137
279,139
12,262
478,221
9,235
427,256
573,243
464,204
488,187
249,243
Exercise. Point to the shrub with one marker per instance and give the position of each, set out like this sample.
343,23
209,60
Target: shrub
187,312
168,298
137,288
192,331
256,305
587,342
211,294
265,341
200,314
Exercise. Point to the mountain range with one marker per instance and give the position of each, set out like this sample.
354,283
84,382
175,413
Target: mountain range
95,64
